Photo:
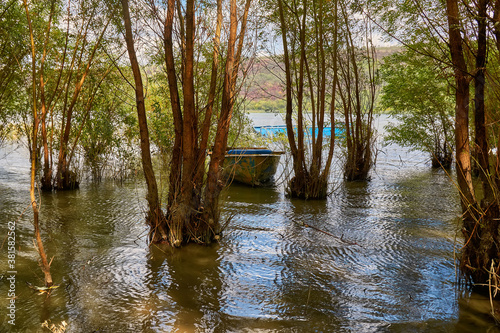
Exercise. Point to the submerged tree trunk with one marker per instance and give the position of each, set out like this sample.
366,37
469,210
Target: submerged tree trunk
46,181
193,208
480,221
155,217
357,91
214,184
49,102
463,165
305,82
65,177
45,266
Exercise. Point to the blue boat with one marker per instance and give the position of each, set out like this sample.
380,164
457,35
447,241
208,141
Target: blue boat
251,166
274,130
270,130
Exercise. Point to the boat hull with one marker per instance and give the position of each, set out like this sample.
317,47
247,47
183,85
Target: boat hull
251,169
275,130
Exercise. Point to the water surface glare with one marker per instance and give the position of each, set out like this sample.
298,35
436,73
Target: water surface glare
377,257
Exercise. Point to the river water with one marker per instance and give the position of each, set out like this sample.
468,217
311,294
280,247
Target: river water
380,258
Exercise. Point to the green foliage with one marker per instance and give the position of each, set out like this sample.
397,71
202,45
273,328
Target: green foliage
14,46
417,94
241,133
411,21
161,125
109,132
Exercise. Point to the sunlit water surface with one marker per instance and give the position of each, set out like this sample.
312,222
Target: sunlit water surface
378,257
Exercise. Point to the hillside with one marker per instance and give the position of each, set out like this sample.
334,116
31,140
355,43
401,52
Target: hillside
264,87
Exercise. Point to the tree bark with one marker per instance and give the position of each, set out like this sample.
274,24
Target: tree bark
155,216
480,222
176,162
481,144
34,150
463,162
214,185
47,170
188,196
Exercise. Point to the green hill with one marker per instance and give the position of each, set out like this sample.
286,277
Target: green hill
264,86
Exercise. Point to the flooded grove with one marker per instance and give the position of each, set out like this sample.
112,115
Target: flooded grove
378,258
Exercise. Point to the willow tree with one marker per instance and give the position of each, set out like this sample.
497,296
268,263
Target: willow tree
464,36
69,51
193,213
201,112
13,46
309,31
416,93
357,91
36,116
155,217
480,257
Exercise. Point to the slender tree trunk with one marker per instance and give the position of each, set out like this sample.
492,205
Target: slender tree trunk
326,170
155,216
496,33
46,181
34,140
176,162
298,185
214,185
481,144
65,178
207,122
288,83
463,162
48,108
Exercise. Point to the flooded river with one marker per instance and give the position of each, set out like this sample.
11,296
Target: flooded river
380,258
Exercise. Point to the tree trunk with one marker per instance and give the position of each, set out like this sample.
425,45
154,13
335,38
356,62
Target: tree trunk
480,223
193,211
326,170
481,144
463,164
176,161
496,33
188,198
46,181
214,184
34,150
358,99
65,178
155,217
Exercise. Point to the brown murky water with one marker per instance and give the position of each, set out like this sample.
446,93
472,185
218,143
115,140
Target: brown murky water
385,263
